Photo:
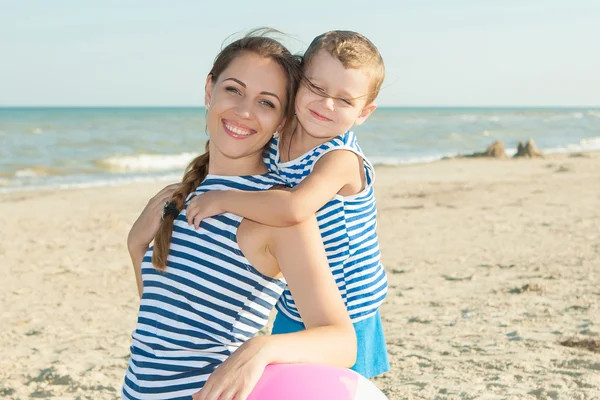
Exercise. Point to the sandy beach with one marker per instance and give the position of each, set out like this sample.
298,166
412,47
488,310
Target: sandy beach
494,270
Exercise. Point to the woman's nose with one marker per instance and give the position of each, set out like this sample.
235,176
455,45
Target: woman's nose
244,108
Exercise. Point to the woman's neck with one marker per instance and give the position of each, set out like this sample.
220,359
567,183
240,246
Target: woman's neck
240,167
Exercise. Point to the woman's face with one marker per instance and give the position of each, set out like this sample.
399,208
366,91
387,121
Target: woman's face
247,104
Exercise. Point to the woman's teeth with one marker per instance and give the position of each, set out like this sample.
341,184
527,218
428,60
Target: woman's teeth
238,131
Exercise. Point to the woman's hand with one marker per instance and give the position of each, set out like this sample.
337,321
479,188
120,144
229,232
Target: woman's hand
146,226
144,230
239,374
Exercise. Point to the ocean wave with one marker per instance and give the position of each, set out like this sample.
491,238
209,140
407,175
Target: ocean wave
564,116
589,144
35,171
459,137
594,113
38,177
82,181
474,118
392,161
146,162
414,120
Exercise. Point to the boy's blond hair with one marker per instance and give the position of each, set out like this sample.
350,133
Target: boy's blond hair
354,51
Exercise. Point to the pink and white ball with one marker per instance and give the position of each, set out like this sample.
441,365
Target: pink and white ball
313,382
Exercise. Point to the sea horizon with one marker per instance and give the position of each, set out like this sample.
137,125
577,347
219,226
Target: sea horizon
62,146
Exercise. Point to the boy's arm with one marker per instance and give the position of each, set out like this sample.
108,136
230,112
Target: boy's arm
333,171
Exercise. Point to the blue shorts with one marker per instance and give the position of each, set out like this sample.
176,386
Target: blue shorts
372,357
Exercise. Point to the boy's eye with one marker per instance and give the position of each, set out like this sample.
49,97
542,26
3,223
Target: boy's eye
316,87
344,101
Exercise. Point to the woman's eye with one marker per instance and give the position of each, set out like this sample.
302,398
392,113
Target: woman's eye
267,103
232,89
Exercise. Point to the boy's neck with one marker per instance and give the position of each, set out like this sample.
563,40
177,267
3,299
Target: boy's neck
298,142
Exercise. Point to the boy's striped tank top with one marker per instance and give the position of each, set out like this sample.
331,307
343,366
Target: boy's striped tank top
209,301
348,228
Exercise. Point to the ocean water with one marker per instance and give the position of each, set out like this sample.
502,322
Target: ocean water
80,147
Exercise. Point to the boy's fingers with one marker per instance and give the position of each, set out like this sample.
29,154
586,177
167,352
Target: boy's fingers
189,213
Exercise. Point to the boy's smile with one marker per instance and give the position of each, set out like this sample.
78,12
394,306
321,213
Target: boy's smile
319,116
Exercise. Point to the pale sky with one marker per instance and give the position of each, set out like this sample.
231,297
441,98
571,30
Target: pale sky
437,52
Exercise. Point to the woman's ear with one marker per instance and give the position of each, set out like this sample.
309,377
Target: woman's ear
208,87
280,126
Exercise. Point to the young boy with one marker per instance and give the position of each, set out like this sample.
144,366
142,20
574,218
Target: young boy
330,176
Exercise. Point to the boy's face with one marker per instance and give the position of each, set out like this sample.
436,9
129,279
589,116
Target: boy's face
332,98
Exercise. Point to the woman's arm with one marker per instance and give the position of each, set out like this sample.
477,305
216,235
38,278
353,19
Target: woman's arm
329,337
136,253
144,230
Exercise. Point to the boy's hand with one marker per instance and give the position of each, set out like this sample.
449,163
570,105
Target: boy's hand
203,206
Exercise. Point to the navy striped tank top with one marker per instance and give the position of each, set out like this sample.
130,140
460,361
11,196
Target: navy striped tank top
348,229
209,301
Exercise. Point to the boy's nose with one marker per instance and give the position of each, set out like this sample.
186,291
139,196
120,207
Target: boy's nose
328,103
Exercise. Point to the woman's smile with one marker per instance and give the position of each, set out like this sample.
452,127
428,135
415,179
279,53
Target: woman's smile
236,130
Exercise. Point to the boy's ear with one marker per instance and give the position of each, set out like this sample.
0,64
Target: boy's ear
208,89
367,110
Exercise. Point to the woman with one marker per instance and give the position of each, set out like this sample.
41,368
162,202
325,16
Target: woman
206,292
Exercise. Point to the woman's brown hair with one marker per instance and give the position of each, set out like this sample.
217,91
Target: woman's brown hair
256,42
